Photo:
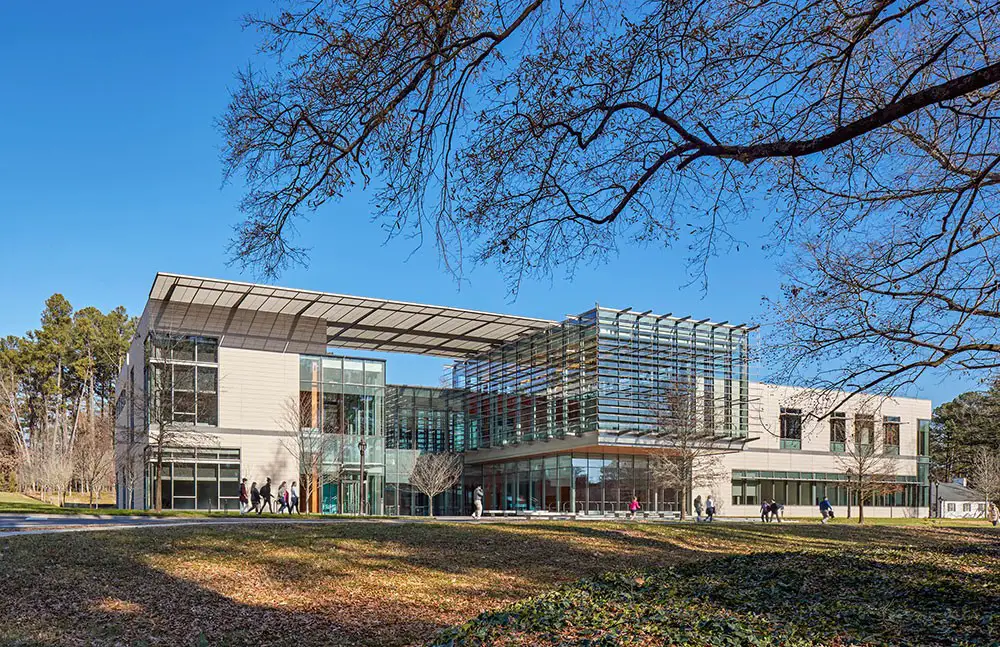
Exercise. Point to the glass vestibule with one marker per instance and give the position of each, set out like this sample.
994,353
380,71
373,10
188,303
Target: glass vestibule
341,401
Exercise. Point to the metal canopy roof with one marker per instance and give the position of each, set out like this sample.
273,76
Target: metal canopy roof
357,322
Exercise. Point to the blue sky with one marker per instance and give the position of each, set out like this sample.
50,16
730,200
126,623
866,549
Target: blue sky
110,172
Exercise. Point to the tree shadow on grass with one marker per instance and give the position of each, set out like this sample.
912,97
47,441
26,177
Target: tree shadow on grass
871,596
338,584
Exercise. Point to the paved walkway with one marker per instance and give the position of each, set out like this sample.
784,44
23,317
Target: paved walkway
33,524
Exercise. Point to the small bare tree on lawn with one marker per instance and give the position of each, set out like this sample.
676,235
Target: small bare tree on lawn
870,469
986,474
434,473
687,460
318,452
95,456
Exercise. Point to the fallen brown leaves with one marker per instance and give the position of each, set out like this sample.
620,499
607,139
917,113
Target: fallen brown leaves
341,584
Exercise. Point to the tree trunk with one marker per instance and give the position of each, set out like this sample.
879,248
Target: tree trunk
159,478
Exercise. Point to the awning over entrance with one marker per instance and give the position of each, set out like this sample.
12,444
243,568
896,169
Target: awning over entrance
353,322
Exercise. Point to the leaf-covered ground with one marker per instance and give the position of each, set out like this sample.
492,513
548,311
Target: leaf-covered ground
405,583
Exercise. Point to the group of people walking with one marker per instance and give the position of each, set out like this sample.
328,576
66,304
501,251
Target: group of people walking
708,507
771,511
254,499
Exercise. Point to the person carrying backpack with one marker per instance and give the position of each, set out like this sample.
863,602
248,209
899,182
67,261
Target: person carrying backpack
265,497
826,510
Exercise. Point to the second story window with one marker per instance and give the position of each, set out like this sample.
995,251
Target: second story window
182,382
791,428
864,428
838,431
890,427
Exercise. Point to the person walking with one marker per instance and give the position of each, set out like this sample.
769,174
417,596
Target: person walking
994,514
293,497
633,507
765,511
265,497
477,502
709,508
244,497
826,510
697,507
282,496
777,510
254,497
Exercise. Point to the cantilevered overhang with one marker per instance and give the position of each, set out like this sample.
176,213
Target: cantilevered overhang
353,322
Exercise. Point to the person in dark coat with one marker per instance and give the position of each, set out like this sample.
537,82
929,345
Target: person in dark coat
254,497
265,497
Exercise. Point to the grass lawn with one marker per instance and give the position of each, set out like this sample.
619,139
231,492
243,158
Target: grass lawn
505,584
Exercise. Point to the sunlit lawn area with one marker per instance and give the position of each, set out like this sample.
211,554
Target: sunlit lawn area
403,583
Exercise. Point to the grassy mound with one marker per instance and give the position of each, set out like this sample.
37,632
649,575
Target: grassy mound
868,597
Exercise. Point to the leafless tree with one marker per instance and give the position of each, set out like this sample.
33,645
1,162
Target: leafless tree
986,474
319,453
688,457
868,462
536,134
14,451
433,474
94,455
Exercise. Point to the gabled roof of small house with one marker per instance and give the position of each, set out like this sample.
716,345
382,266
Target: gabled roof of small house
955,492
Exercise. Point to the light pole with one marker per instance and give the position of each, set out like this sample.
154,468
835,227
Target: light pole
362,446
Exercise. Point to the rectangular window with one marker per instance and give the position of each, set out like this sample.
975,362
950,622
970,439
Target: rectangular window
890,427
966,507
864,428
951,507
183,384
923,437
838,431
791,428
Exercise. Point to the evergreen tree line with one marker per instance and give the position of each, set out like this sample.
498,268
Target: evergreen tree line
965,440
57,384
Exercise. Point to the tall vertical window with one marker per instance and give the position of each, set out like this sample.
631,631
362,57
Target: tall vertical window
890,427
791,428
838,431
923,437
182,383
864,428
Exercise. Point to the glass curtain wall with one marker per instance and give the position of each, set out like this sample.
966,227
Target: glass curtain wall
421,420
579,483
341,401
642,357
182,378
541,387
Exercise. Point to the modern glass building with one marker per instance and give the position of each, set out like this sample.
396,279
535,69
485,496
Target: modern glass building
562,417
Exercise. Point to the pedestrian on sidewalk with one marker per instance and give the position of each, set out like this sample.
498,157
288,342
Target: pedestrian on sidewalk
254,497
265,497
282,496
477,502
244,497
697,507
709,508
293,497
994,514
765,511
